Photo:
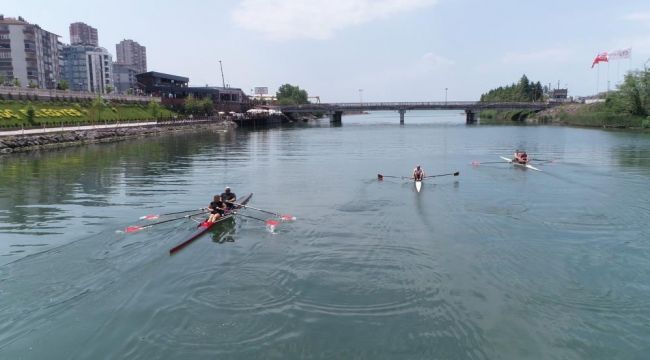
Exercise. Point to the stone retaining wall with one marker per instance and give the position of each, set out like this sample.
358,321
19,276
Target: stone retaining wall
23,143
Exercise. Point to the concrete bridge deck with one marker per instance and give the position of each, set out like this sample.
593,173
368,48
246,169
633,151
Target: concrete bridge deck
335,110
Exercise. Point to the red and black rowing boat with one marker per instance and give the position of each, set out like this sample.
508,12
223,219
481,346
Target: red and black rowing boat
205,226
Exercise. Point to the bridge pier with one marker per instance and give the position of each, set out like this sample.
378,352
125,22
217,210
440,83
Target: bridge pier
401,116
470,117
335,117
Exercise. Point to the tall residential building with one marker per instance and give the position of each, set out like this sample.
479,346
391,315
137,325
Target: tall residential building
28,53
131,53
88,68
83,34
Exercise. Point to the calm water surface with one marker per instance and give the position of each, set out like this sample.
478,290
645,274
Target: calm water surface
498,263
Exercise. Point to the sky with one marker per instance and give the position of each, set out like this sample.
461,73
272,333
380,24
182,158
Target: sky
368,50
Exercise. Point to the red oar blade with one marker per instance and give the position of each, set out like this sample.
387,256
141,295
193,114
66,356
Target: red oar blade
285,217
150,217
133,228
380,177
271,225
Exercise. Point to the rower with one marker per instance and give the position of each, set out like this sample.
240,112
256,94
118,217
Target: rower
217,208
521,157
418,173
229,198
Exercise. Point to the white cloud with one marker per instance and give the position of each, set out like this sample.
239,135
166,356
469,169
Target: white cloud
546,56
638,16
316,19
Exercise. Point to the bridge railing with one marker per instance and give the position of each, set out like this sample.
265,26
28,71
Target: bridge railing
414,105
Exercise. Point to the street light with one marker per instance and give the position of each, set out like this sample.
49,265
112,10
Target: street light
445,96
361,96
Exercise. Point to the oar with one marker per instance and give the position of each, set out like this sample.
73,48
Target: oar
156,216
284,217
135,228
381,177
270,223
546,160
454,173
476,163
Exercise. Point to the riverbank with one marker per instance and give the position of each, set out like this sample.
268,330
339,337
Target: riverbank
67,137
582,115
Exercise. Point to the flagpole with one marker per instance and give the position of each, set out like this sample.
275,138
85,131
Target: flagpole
607,95
597,79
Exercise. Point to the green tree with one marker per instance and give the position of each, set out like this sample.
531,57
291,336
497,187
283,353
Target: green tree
33,85
17,82
633,95
97,105
288,94
2,79
154,109
63,85
31,113
109,89
191,105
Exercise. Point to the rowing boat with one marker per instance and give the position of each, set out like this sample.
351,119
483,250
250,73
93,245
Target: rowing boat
418,185
205,226
527,166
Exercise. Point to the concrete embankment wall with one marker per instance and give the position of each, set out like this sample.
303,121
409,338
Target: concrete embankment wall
23,143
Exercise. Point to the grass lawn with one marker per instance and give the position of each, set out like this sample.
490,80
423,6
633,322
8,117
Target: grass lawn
16,113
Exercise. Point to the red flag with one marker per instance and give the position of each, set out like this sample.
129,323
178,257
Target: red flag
601,57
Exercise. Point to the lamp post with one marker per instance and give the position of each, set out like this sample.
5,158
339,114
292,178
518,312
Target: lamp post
445,96
361,97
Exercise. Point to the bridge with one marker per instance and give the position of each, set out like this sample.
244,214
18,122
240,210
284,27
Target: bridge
336,110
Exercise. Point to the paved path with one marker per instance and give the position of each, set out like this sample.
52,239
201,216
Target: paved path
73,128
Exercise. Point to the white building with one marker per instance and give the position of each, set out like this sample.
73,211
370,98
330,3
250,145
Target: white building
28,53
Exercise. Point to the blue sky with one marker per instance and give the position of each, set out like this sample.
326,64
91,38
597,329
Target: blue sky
395,50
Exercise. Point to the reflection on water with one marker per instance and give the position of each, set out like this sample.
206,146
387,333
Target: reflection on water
495,263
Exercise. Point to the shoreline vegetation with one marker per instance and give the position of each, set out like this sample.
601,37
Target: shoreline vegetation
627,107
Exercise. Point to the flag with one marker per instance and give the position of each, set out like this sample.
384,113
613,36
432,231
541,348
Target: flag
601,57
620,54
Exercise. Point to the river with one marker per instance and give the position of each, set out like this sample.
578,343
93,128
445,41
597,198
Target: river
497,263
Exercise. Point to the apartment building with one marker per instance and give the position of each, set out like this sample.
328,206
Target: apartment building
28,54
131,53
83,34
88,68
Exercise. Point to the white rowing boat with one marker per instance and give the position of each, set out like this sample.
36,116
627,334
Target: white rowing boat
527,166
418,185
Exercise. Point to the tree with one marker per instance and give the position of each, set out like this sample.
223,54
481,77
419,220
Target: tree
2,79
31,114
633,95
288,94
109,89
63,85
154,109
33,85
17,82
97,106
191,105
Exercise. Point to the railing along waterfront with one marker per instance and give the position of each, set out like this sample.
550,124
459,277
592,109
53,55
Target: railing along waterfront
16,93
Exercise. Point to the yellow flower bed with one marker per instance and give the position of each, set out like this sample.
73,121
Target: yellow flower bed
8,114
41,113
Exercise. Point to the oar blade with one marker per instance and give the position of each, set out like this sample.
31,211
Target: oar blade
380,177
271,225
286,217
150,217
457,173
132,229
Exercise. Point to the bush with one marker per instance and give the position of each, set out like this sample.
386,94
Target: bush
646,123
